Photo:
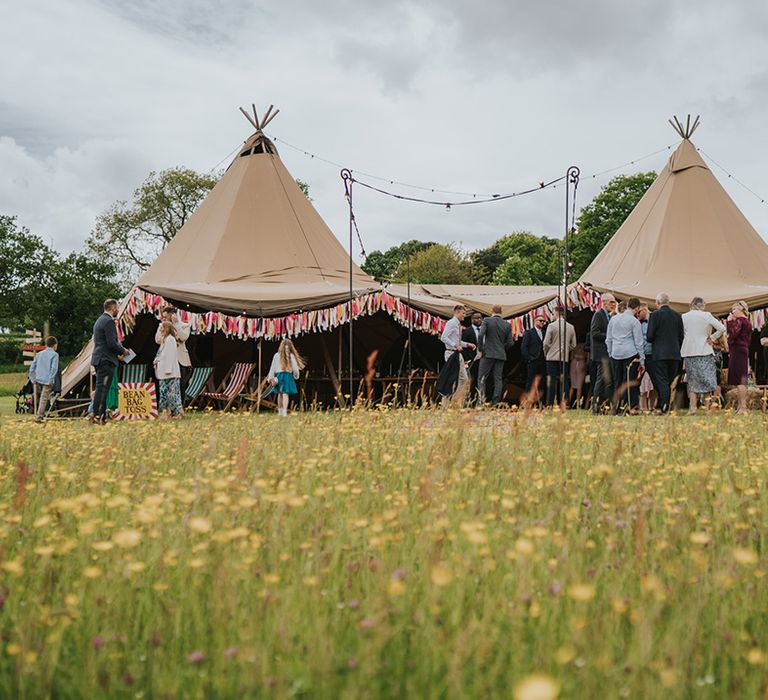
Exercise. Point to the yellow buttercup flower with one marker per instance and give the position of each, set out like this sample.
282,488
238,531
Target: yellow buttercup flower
127,539
537,686
199,524
744,556
441,575
581,592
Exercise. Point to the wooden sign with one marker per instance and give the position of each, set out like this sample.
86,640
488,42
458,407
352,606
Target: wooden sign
136,401
32,345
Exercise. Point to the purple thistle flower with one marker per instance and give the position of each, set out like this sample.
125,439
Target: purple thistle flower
196,657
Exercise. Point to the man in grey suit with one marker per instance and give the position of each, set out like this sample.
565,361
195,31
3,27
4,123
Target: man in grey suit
107,353
495,340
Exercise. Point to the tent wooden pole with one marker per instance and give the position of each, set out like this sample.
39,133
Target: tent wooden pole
332,371
265,116
258,384
672,124
272,116
695,125
255,115
249,118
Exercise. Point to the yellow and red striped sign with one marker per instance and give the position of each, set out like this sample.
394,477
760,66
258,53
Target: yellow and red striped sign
136,401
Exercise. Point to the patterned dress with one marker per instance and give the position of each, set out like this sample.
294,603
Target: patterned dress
701,371
170,395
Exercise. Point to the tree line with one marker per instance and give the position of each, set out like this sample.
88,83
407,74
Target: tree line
42,286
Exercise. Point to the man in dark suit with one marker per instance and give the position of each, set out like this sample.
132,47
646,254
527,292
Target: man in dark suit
665,332
107,353
601,380
471,334
495,340
532,349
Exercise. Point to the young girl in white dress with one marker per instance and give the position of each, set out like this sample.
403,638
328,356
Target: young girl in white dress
283,373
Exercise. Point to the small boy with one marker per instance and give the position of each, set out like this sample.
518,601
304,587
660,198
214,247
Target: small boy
43,372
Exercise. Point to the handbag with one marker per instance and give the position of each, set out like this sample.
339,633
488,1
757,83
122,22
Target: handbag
721,343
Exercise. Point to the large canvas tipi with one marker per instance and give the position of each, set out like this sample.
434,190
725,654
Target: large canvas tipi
685,237
256,245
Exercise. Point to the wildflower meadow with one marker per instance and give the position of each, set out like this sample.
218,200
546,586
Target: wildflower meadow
365,554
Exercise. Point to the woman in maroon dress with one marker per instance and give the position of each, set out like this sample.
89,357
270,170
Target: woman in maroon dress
739,337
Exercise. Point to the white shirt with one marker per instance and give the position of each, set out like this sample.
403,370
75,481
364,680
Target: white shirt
276,367
167,360
451,336
698,326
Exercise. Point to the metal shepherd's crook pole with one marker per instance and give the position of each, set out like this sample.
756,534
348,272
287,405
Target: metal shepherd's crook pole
571,179
410,315
346,176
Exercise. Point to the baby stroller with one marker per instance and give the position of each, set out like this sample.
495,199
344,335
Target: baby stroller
25,402
25,399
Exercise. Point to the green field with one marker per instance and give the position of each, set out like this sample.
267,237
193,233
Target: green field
397,554
11,382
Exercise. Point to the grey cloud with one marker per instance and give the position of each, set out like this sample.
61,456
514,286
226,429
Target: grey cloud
486,96
201,23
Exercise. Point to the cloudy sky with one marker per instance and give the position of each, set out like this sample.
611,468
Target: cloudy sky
478,97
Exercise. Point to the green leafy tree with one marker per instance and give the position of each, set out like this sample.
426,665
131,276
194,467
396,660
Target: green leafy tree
26,265
304,187
603,216
132,234
485,262
41,287
79,286
384,265
528,259
436,264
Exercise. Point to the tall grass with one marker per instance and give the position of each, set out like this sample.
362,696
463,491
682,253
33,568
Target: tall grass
11,382
385,554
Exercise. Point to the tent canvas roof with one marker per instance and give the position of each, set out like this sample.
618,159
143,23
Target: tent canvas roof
441,298
685,237
256,245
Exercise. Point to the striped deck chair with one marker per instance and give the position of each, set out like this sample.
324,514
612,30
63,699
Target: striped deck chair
231,386
134,373
198,380
264,396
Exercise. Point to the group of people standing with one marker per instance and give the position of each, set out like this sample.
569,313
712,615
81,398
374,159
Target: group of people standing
172,364
632,351
633,348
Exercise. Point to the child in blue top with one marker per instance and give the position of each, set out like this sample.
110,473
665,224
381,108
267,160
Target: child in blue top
43,372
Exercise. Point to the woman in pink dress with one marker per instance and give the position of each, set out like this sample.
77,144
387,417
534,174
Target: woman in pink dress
739,337
578,371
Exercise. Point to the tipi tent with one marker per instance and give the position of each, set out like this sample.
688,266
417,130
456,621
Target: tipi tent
685,237
256,245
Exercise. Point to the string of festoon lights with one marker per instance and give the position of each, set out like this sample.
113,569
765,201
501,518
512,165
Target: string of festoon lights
476,197
732,177
479,197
